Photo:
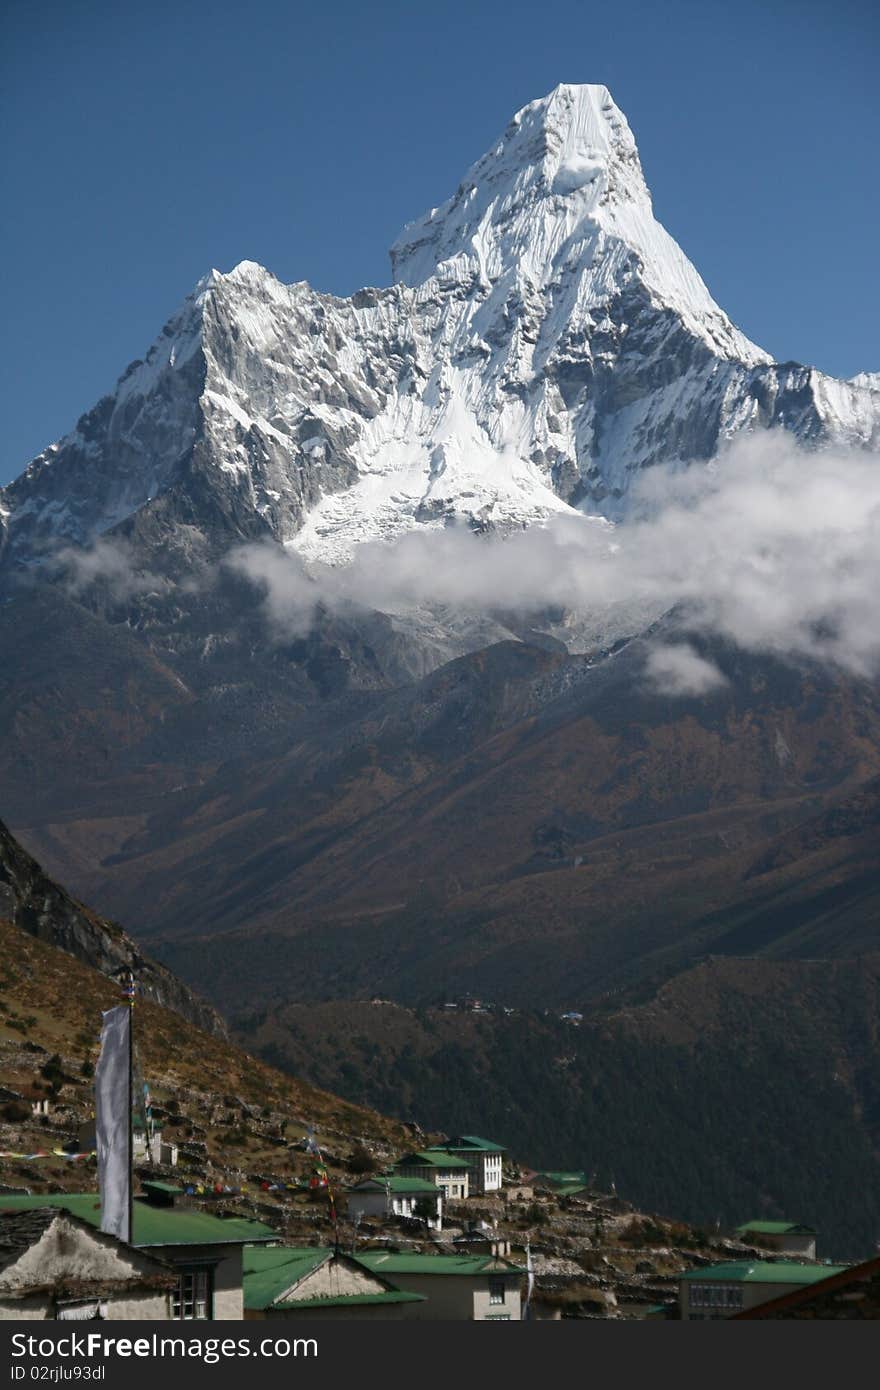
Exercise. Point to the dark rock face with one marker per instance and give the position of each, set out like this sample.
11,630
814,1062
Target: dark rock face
34,903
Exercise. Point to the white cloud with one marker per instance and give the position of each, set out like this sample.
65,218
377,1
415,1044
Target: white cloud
290,594
774,547
679,670
107,561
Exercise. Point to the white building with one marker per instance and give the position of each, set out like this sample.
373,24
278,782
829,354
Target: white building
393,1195
466,1288
483,1158
438,1167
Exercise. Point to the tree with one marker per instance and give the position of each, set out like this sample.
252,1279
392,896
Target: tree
425,1209
360,1160
53,1072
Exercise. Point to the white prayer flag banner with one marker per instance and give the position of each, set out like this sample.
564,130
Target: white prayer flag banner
113,1122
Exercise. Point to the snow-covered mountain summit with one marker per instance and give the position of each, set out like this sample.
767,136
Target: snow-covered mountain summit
561,203
545,338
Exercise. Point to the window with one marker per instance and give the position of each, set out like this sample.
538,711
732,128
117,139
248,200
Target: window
193,1298
497,1317
496,1290
79,1310
716,1296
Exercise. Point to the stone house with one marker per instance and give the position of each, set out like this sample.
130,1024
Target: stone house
54,1265
204,1251
282,1281
520,1192
482,1239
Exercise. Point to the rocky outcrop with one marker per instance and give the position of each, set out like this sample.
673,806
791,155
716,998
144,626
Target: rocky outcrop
34,903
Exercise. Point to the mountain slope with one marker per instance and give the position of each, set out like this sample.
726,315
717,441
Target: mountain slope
31,901
544,341
230,1113
520,823
738,1086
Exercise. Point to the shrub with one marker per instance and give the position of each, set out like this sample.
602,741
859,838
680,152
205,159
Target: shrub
15,1111
360,1160
53,1072
425,1209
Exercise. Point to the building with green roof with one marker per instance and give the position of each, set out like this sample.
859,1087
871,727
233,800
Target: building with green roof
722,1290
204,1249
786,1237
439,1167
484,1159
470,1288
55,1265
852,1295
391,1194
284,1281
569,1178
569,1183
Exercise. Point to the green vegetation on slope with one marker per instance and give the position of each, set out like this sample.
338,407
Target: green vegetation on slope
742,1089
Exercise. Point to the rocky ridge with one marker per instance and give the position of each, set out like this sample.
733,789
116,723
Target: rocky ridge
545,340
32,901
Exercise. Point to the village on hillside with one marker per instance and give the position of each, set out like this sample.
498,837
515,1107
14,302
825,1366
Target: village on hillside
335,1225
252,1194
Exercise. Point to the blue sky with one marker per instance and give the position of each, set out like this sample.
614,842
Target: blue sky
143,145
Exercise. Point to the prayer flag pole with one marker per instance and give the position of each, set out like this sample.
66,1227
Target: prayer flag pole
113,1118
128,990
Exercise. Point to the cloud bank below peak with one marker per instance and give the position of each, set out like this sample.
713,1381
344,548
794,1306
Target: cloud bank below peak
770,546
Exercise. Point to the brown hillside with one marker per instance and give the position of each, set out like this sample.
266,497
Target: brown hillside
235,1117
